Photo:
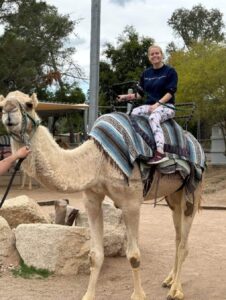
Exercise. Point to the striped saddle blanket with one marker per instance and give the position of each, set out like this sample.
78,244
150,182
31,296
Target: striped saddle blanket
129,139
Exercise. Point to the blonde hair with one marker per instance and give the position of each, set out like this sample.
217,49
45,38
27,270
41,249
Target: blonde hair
155,46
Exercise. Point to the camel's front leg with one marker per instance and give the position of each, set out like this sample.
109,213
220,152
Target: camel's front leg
131,214
95,217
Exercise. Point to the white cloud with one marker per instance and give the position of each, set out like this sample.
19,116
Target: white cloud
124,2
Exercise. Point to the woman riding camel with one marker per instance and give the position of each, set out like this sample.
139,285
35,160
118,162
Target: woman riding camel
159,84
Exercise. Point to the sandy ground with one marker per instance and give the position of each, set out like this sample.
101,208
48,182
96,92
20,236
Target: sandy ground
204,271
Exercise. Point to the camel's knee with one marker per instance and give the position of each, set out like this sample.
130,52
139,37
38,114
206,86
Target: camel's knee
135,263
134,259
96,258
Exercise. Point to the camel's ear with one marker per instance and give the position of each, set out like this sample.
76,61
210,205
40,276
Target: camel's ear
2,98
34,100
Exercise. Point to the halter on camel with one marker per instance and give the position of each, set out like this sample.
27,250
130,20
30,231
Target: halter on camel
23,138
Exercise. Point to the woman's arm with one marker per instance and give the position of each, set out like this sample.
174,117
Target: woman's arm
6,163
163,100
128,97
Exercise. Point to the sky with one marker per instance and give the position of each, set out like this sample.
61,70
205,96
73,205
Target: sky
148,17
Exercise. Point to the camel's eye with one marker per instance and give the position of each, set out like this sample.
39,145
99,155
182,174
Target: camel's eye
9,111
29,105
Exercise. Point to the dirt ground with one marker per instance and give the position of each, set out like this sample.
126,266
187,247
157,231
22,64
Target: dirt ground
203,274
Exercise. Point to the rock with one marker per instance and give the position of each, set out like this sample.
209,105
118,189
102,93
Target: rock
57,248
114,240
60,211
8,252
65,214
23,210
111,215
114,229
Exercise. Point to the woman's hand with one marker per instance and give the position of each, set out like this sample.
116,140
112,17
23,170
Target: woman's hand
22,152
121,98
153,107
127,97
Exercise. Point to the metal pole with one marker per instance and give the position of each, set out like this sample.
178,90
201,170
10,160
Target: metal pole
94,62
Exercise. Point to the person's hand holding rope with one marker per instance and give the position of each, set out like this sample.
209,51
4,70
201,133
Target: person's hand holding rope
22,152
6,163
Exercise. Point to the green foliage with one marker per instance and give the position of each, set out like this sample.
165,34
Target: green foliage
129,58
71,123
16,69
125,62
34,47
30,272
70,93
197,25
201,72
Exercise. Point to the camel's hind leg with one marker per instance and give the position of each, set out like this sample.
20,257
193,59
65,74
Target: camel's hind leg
95,217
176,202
131,214
182,225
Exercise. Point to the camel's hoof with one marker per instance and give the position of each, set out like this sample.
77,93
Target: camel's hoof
167,283
178,295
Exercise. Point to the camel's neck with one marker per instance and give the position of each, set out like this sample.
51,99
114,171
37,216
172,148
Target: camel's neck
64,170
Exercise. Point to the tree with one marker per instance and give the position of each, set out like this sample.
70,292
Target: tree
125,62
201,72
7,7
197,25
33,47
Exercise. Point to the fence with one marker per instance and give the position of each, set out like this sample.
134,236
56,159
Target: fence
217,153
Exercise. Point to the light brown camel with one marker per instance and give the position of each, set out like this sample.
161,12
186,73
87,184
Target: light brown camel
87,169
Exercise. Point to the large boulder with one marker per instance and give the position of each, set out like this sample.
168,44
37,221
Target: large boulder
114,229
111,215
8,252
114,240
23,210
59,249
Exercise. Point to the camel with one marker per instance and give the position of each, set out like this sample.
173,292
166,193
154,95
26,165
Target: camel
87,169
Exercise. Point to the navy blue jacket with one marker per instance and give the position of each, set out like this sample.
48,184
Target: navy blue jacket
155,83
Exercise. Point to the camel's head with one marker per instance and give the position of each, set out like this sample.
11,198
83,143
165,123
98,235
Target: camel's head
18,112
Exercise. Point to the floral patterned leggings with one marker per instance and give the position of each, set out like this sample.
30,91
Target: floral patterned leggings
159,115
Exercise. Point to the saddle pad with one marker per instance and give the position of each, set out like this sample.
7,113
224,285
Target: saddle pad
116,134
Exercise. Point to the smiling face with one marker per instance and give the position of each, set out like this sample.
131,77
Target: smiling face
155,56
